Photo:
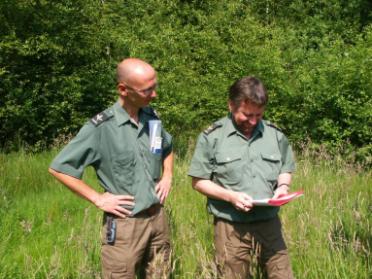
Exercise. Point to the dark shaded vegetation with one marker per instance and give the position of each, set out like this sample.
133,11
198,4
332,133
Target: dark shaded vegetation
58,58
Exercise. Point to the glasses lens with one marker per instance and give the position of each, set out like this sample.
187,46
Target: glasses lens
148,91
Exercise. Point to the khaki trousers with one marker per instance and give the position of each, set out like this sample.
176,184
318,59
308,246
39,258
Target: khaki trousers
142,246
241,247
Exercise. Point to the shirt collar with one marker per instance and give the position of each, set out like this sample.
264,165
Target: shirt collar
259,129
120,113
231,128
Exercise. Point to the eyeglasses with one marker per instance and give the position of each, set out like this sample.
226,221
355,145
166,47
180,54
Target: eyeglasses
146,91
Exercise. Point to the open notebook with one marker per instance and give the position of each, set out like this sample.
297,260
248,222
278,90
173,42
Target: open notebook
278,201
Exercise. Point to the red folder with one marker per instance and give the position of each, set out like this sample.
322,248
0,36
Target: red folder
283,199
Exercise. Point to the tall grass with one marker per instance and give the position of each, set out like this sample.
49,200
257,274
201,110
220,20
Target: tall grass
48,232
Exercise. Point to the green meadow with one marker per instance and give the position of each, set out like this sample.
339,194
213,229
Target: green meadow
48,232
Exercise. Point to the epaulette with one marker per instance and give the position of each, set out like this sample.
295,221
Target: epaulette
268,123
101,117
150,111
211,128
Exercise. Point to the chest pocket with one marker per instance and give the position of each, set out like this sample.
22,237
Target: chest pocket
124,167
271,164
228,168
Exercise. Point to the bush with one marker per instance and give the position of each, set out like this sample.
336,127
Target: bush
58,62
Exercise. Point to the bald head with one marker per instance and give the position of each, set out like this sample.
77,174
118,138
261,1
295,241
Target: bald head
133,71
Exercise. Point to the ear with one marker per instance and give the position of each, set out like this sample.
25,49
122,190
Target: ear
122,89
231,106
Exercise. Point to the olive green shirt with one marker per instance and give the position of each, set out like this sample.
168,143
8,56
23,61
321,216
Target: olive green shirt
252,166
119,151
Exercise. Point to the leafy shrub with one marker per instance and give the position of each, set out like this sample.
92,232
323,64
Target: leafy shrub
58,62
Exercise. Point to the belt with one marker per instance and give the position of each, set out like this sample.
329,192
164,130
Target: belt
148,212
152,210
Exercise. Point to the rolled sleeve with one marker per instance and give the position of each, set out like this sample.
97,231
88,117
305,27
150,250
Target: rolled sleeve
201,164
288,163
79,153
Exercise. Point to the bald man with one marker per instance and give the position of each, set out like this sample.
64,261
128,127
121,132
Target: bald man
136,181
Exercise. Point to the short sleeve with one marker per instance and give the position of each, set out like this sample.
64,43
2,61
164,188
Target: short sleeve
201,165
167,143
288,163
80,152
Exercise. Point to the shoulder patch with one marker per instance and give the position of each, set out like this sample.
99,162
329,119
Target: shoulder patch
268,123
151,111
100,118
211,128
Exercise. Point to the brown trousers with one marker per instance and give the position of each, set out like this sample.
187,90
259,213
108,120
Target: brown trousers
142,246
241,247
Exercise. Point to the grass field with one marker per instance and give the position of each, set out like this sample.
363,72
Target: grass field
48,232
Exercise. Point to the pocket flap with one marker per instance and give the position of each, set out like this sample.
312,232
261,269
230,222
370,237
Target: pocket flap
273,157
222,158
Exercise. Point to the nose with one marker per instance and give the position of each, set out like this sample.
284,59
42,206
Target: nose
153,94
253,120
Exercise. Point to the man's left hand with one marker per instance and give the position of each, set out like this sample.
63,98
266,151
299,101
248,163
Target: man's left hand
282,190
163,188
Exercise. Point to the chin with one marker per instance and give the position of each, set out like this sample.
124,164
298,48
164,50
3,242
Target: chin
248,129
144,104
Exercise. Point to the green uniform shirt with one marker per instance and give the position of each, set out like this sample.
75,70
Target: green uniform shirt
252,166
119,151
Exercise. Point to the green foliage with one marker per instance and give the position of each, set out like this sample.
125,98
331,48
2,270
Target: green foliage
57,63
54,71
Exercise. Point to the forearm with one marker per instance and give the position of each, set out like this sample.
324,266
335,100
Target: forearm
239,200
211,189
284,179
107,202
168,166
76,185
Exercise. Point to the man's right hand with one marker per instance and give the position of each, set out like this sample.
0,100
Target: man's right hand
114,204
240,201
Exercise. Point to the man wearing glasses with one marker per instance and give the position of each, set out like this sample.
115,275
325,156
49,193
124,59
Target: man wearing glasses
136,181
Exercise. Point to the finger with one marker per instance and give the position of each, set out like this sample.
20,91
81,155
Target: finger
127,204
239,206
124,202
117,213
164,196
161,199
248,203
278,195
160,196
159,190
123,210
125,197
